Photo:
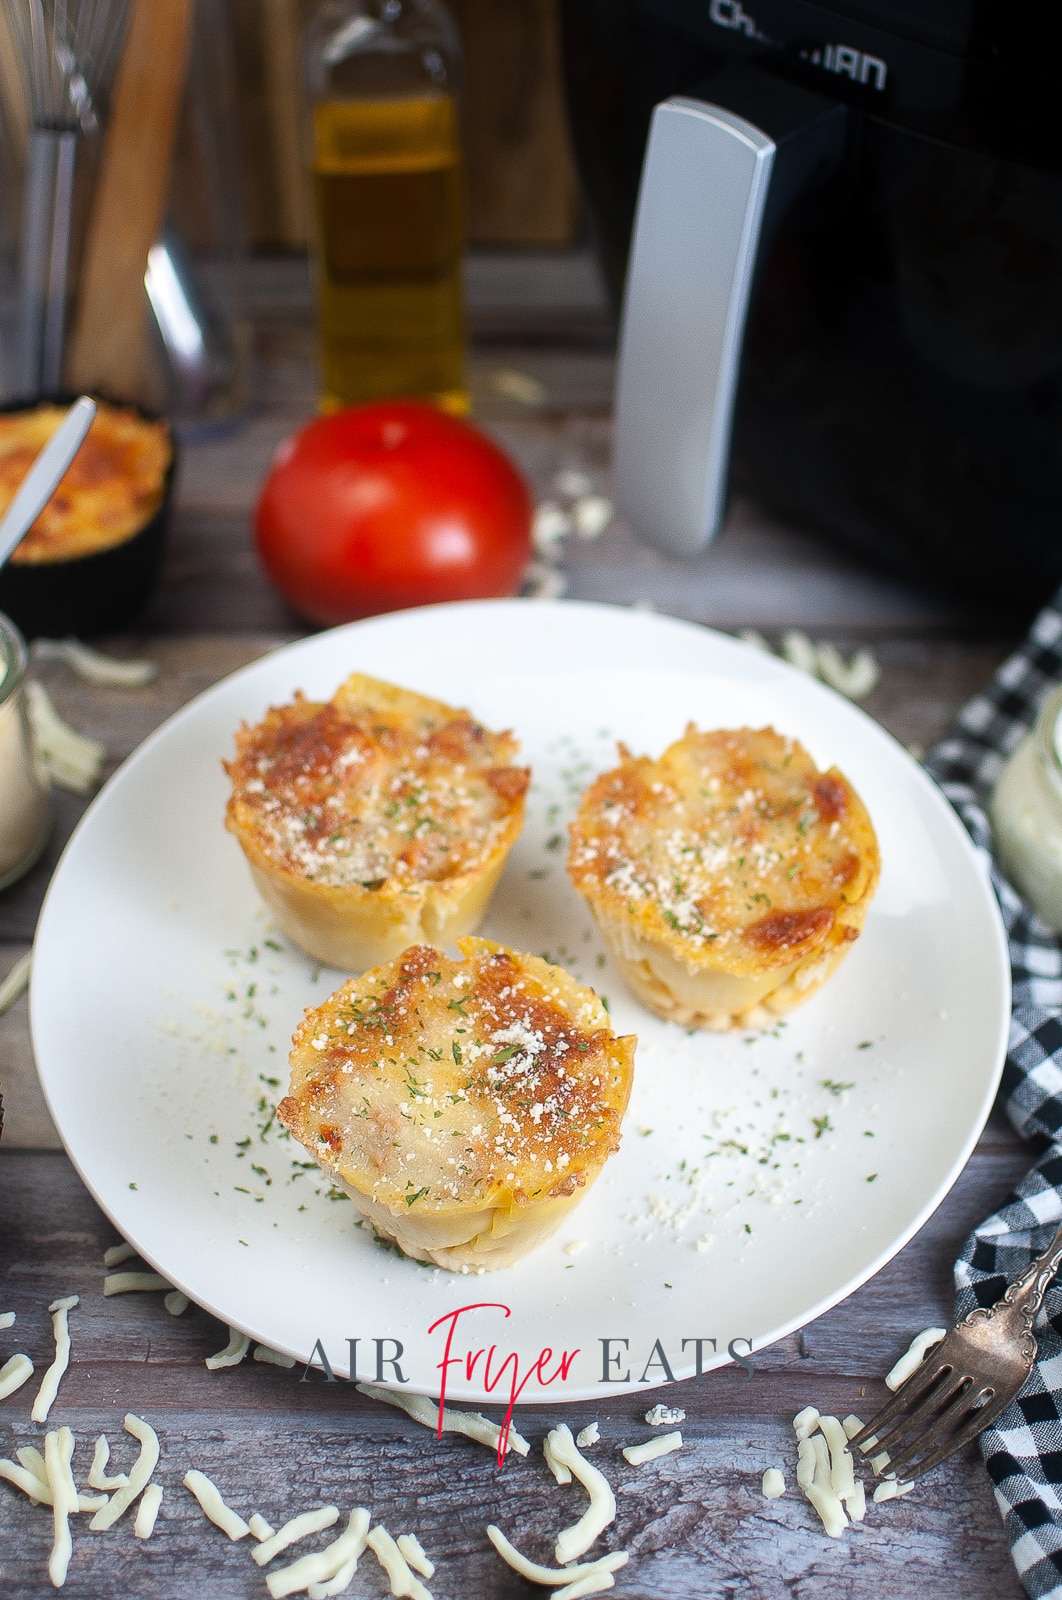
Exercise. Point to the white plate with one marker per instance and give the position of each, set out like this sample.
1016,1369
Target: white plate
156,1027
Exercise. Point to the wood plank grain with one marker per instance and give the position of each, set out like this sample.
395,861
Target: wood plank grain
521,179
107,338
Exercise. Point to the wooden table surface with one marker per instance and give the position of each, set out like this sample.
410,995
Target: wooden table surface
695,1523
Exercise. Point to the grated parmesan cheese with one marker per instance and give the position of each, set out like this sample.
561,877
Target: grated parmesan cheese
912,1357
233,1353
650,1449
297,1528
147,1511
773,1484
50,1383
209,1496
403,1582
470,1423
14,1373
534,1573
414,1556
139,1476
577,1539
588,1435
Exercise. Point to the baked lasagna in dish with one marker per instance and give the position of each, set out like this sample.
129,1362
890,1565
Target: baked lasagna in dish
374,820
465,1106
728,878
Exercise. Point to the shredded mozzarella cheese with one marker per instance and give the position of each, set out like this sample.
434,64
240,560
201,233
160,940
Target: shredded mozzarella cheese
58,1454
25,1479
842,1467
576,1540
661,1416
773,1484
139,1477
805,1422
414,1555
119,1253
593,1583
402,1581
650,1449
559,1471
14,1373
16,983
147,1511
852,1425
534,1573
337,1585
176,1303
275,1358
891,1489
425,1411
209,1496
135,1283
297,1528
95,667
6,1319
259,1527
912,1357
323,1570
588,1435
97,1478
50,1383
233,1353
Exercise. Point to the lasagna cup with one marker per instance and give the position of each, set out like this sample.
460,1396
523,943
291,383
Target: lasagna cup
465,1106
728,878
374,820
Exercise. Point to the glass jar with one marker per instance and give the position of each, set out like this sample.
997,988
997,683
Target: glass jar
25,809
385,163
1026,814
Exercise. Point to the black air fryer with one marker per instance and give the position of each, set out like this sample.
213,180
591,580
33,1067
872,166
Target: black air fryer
837,237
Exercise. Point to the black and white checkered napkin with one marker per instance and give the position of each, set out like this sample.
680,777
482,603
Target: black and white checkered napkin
1023,1450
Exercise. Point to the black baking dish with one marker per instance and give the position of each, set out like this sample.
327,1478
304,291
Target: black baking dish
95,593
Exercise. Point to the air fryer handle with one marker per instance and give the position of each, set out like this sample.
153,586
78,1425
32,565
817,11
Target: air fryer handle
713,185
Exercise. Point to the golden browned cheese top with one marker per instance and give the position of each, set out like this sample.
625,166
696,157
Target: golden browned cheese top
733,847
344,792
112,488
441,1084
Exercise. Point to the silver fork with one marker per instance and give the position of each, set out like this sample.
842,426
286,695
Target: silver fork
965,1381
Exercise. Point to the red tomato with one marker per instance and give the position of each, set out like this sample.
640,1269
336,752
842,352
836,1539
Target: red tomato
390,505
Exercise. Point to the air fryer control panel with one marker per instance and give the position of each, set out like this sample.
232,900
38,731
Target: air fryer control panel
968,73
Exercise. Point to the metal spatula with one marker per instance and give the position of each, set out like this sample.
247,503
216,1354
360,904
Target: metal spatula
45,475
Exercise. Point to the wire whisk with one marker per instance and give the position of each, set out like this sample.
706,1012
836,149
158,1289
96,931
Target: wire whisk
68,50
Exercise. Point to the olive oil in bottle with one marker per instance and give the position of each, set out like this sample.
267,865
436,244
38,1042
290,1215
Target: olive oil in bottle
387,188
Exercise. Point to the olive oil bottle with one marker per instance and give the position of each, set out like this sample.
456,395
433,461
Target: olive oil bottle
386,174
